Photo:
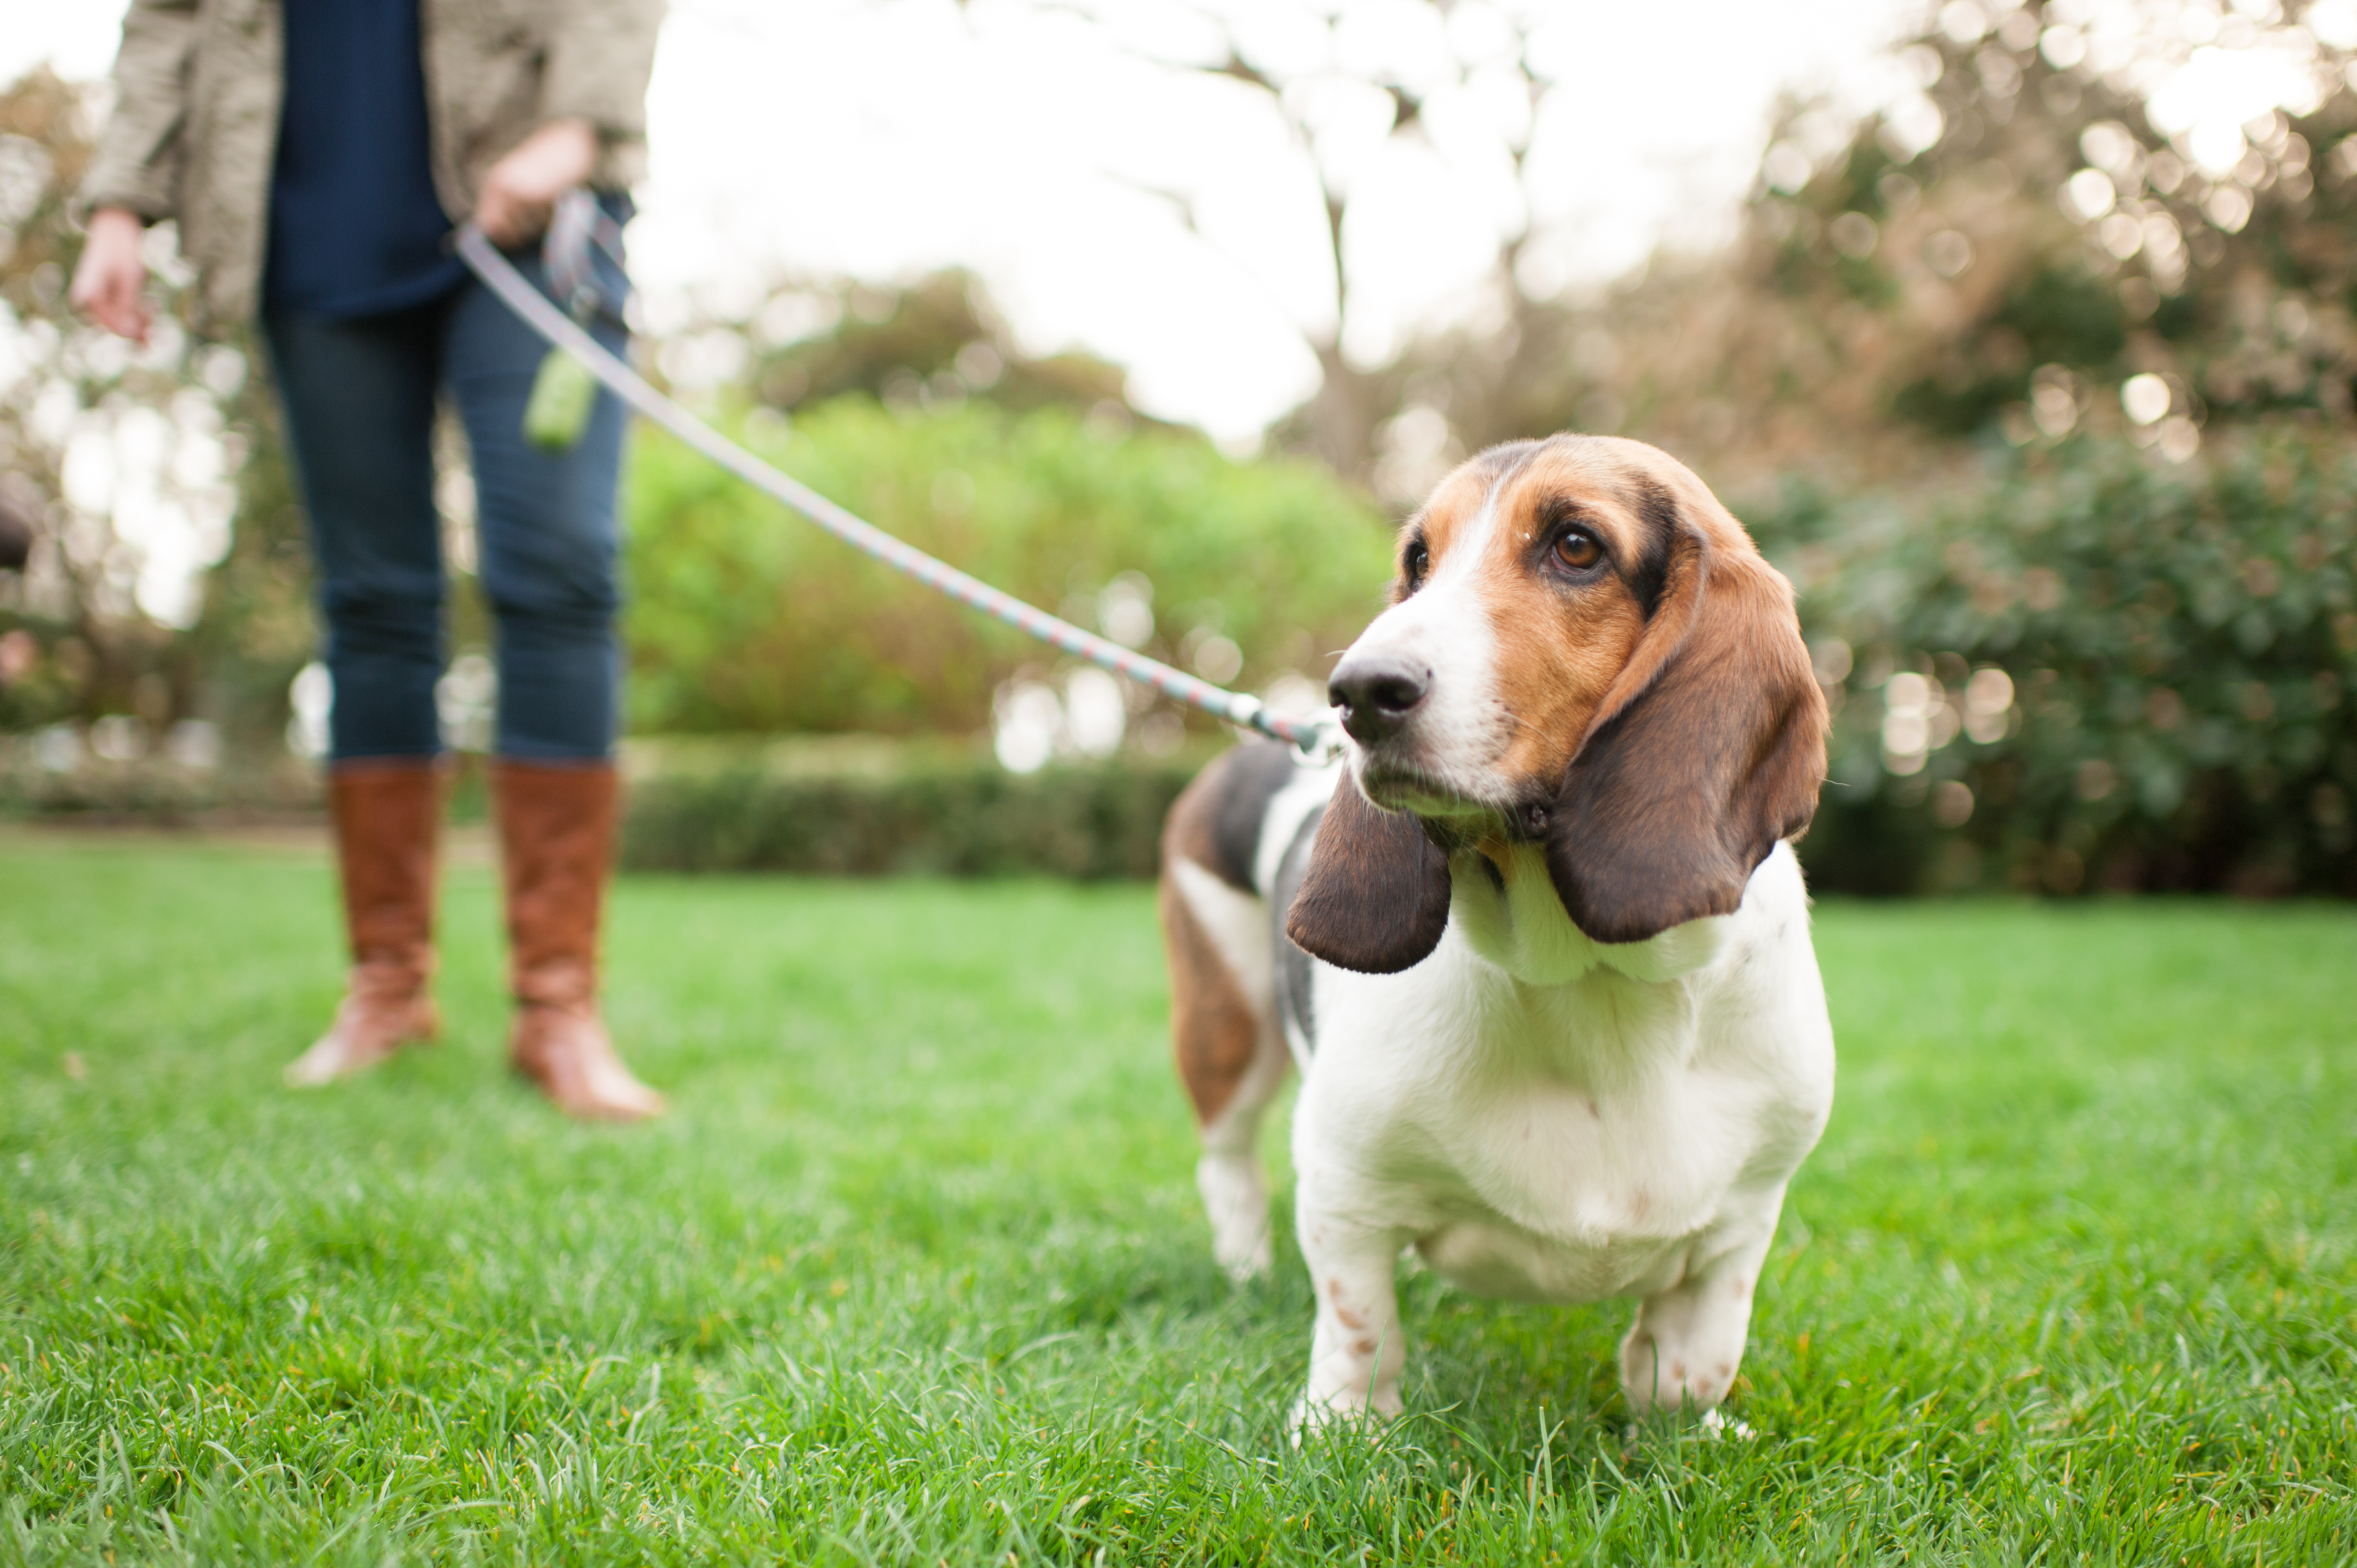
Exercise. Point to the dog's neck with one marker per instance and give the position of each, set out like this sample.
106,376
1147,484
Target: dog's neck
1502,898
1603,1016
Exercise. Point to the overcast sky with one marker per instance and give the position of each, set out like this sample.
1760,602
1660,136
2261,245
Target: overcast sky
882,137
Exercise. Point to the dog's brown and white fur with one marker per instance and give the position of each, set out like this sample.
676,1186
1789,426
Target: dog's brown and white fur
1538,947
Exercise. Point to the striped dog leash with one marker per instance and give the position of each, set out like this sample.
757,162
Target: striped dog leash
1316,737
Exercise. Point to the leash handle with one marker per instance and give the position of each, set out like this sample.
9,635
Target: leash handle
1317,738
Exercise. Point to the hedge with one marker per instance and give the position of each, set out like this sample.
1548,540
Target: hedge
872,808
2163,657
2166,656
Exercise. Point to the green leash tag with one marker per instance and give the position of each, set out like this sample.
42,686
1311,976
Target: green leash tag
562,393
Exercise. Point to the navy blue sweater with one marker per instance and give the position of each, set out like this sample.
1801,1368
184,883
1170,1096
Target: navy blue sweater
355,226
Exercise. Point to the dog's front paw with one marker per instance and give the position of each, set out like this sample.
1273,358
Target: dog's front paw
1678,1376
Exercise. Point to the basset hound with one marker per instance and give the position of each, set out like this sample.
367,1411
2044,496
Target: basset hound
1538,944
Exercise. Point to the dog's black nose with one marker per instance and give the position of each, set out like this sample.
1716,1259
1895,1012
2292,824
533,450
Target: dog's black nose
1376,694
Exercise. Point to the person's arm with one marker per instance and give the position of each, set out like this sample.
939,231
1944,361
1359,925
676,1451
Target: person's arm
133,181
593,102
139,162
599,55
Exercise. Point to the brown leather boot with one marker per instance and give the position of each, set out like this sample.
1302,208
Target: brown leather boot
556,827
386,811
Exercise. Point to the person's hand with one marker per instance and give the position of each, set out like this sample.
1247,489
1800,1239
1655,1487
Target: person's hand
522,188
109,281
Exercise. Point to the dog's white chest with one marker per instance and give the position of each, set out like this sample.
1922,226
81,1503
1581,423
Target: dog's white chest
1559,1192
1565,1142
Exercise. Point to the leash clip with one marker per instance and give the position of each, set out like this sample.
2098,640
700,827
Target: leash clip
1321,742
565,254
1318,739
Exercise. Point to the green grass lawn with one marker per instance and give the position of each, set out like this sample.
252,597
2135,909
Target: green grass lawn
915,1272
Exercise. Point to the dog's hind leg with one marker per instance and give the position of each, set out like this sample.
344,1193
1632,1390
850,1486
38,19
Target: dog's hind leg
1231,1050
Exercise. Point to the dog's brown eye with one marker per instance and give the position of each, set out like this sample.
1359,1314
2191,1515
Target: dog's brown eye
1414,563
1579,551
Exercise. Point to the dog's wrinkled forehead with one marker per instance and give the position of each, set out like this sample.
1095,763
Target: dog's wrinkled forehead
1627,493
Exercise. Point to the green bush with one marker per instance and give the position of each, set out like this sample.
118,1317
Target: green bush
2178,644
871,807
154,791
747,618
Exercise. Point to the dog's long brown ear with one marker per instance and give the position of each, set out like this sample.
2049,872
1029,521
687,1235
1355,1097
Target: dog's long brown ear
1707,749
1375,898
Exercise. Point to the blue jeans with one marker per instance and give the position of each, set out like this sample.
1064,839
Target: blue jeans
359,396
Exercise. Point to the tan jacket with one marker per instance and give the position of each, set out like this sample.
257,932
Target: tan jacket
195,130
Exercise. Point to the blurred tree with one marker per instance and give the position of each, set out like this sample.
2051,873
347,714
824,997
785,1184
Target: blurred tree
131,461
933,342
1335,94
2059,208
85,645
